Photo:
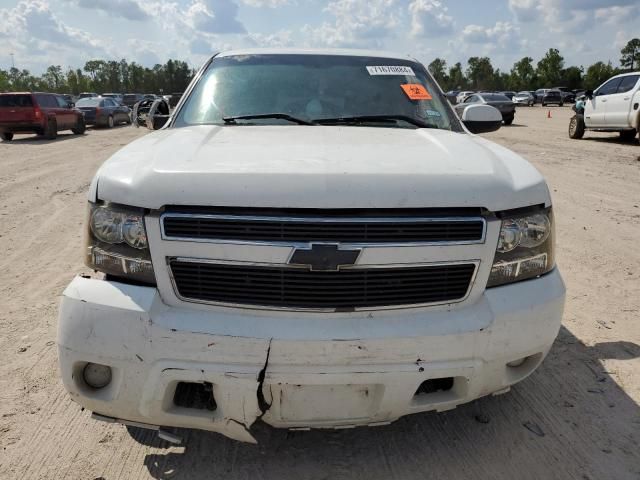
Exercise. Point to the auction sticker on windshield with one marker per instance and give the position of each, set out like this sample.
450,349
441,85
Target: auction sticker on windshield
415,91
390,70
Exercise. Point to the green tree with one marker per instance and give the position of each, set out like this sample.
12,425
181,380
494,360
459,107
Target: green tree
457,81
631,55
53,79
438,68
4,81
597,74
480,73
523,74
550,68
572,77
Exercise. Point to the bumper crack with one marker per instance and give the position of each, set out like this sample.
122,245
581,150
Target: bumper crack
262,402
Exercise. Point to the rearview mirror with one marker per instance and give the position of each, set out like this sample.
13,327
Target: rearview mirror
481,118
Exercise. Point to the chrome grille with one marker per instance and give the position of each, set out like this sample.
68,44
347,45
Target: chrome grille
364,230
346,289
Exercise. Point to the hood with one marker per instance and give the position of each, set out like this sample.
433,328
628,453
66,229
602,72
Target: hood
317,167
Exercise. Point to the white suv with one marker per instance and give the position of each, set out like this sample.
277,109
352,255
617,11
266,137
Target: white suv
613,107
313,239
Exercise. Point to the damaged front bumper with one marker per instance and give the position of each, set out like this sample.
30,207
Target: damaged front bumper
306,371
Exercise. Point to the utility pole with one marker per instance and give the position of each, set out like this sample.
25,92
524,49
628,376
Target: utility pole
13,63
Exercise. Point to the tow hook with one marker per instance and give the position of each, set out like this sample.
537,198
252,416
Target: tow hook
163,434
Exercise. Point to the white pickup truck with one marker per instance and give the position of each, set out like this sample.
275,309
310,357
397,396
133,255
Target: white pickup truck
613,107
313,239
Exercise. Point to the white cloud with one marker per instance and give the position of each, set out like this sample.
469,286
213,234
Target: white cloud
502,36
574,16
215,16
267,3
429,18
358,24
526,10
128,9
282,38
32,28
617,14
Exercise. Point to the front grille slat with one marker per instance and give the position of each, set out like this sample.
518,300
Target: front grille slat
300,230
275,286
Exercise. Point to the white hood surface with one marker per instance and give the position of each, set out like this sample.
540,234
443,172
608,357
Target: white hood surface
317,167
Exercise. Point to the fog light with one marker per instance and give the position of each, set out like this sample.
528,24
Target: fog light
516,363
96,375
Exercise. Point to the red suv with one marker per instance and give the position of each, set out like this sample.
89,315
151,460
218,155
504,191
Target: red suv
43,113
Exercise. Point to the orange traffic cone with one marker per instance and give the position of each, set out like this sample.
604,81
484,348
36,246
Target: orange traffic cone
548,113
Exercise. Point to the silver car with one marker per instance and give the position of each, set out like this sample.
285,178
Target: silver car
524,98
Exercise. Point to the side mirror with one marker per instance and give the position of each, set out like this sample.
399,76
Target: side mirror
481,118
153,115
159,121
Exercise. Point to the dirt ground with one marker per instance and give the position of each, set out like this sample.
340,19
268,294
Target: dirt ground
576,417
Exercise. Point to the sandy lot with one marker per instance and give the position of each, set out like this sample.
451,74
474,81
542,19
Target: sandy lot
577,417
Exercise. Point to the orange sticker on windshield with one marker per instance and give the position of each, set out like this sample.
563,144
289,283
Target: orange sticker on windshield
415,91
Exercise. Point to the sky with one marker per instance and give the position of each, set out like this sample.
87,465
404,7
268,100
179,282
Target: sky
69,32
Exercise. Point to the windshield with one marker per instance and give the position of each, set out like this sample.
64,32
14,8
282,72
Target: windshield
88,102
300,89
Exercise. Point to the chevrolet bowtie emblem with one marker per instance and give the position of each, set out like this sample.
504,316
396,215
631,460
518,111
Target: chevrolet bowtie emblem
322,256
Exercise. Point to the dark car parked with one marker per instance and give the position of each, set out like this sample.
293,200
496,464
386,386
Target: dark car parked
130,99
42,113
114,96
104,112
552,97
568,96
509,94
504,104
538,94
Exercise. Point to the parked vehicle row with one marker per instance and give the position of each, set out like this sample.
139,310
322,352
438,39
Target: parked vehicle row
502,103
544,96
46,114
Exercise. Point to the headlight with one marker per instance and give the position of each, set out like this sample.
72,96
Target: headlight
117,243
525,248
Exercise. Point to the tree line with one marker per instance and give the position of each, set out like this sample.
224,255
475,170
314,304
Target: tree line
102,76
548,72
120,76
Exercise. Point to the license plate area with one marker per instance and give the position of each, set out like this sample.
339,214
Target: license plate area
311,404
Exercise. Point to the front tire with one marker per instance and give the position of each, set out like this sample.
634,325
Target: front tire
51,130
7,136
628,135
110,121
576,127
544,104
508,120
80,127
561,104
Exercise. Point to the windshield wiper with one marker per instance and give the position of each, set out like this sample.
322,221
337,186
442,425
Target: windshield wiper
281,116
375,118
